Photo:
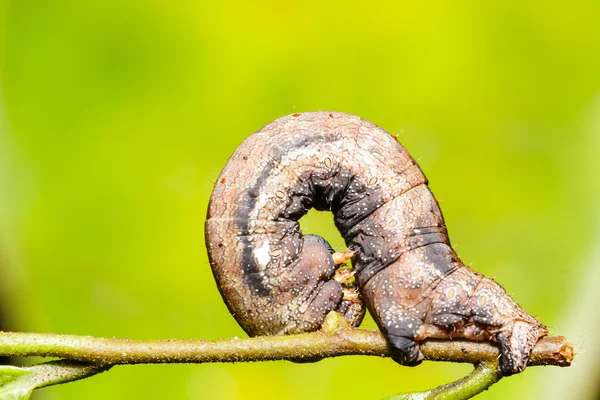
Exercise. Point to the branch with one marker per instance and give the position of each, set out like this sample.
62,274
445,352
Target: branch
549,351
124,351
90,355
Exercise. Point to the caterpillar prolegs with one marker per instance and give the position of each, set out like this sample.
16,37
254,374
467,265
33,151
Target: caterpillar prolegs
275,280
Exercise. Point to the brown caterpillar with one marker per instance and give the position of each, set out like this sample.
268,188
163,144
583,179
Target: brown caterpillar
275,280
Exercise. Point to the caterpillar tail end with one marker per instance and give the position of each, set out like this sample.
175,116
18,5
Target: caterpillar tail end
516,342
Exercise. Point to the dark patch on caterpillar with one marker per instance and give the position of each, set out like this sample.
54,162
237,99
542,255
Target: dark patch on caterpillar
276,280
251,272
249,267
371,265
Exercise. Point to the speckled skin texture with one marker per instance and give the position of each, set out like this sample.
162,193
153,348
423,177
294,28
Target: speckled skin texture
275,280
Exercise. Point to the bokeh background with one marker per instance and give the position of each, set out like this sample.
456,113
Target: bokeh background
117,116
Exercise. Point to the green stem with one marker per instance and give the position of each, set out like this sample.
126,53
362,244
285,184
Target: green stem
550,351
86,355
483,376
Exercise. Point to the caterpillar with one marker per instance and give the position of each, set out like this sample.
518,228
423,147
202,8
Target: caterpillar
275,280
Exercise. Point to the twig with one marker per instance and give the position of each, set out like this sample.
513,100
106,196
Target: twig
482,377
338,342
86,356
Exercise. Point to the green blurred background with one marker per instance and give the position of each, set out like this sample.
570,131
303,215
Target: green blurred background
117,116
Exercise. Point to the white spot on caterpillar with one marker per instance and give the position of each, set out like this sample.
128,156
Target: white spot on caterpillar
261,254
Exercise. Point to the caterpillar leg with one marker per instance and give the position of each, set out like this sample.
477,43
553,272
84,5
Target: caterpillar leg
341,257
401,332
352,306
344,275
315,277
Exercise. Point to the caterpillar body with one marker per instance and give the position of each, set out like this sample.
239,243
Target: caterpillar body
275,280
